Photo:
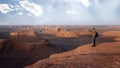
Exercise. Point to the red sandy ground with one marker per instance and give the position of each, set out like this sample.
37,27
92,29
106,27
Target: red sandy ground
104,55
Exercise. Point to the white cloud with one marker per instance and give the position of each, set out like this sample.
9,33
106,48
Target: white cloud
77,7
4,8
86,3
17,8
11,6
72,12
29,14
20,13
31,7
96,0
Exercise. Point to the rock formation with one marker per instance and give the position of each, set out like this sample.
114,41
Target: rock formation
85,31
24,33
50,30
66,34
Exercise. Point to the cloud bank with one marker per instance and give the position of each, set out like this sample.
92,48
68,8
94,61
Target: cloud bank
4,8
86,3
31,7
59,11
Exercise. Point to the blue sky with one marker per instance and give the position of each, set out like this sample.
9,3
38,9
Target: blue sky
59,12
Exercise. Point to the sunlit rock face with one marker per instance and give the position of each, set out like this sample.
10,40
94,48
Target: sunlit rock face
25,33
111,33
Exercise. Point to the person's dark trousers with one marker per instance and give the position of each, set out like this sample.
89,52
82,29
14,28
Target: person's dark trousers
94,41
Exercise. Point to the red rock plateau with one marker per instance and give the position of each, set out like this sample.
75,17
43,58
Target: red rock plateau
111,33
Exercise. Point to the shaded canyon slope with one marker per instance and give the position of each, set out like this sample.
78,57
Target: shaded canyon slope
17,53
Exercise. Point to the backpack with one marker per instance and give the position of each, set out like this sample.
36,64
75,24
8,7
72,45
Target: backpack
96,35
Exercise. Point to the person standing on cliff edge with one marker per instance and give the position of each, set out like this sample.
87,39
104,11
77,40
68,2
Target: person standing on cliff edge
94,35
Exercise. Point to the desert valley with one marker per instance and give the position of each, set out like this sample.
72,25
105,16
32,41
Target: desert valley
59,46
